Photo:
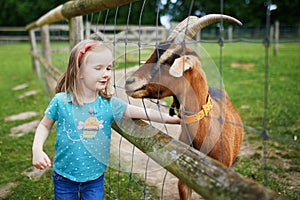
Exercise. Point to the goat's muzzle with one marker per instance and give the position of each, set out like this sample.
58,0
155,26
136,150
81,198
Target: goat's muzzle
136,88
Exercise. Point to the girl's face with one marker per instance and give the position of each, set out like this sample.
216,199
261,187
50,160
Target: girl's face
95,72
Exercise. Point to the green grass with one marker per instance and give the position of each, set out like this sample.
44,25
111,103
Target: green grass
245,88
16,69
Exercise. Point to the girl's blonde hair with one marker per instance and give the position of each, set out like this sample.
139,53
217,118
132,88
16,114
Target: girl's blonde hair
69,80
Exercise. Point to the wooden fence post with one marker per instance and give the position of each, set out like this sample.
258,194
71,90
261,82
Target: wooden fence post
46,48
276,38
271,34
230,33
35,64
87,29
46,51
75,30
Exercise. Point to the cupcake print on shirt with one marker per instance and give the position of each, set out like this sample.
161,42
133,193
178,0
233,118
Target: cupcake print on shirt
91,126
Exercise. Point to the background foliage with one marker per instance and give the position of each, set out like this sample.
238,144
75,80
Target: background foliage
20,13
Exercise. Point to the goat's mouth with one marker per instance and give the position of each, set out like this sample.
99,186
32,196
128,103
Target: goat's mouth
136,88
152,90
138,93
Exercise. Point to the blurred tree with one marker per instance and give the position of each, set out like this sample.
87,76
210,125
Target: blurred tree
20,13
250,12
287,11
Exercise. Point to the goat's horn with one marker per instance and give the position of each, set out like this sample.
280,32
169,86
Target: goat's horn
189,27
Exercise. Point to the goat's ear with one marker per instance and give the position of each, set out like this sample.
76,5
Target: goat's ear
181,65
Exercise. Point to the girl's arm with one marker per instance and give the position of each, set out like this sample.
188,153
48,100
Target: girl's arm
39,158
136,112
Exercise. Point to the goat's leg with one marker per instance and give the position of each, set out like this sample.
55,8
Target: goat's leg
185,193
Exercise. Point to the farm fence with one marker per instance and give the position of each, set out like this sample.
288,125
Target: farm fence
204,175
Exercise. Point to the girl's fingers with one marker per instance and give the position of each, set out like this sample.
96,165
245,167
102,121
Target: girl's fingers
43,162
47,161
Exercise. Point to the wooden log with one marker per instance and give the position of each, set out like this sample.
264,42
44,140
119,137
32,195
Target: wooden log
207,177
75,8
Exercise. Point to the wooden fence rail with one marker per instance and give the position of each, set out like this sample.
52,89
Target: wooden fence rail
9,30
207,177
75,8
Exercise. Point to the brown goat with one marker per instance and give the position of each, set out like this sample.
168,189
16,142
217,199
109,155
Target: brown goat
210,122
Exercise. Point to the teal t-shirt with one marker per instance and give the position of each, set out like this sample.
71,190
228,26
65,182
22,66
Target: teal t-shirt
83,135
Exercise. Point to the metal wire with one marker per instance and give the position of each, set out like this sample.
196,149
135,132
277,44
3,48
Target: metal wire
221,44
265,123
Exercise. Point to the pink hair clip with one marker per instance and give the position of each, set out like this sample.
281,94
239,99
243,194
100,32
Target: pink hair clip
85,49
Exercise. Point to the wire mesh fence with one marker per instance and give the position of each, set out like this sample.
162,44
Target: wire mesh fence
129,158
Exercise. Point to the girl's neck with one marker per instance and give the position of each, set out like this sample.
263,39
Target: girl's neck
89,98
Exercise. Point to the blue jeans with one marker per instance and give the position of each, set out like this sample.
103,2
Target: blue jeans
65,189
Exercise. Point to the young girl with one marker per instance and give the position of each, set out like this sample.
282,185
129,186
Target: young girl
84,111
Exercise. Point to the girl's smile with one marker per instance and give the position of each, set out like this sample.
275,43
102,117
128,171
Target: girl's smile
103,83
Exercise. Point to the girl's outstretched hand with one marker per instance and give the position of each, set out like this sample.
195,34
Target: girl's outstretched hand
176,119
136,112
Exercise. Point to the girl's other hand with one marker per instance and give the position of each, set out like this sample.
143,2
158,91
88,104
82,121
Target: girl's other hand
40,160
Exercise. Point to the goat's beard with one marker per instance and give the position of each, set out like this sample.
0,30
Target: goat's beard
175,106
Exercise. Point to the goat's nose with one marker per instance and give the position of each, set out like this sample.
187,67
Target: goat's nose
130,80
